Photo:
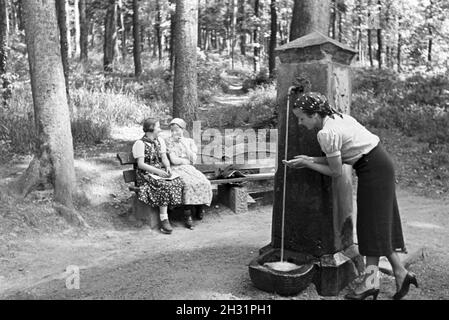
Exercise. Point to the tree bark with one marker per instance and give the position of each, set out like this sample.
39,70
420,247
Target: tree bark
121,10
273,40
359,31
233,30
77,28
340,26
84,32
333,19
136,35
199,44
429,48
379,41
172,38
185,98
309,16
61,8
242,28
110,35
4,39
20,15
398,53
53,161
158,30
256,51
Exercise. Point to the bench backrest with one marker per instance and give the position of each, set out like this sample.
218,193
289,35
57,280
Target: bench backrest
126,158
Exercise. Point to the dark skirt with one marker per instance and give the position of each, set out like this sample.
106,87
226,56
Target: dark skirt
379,229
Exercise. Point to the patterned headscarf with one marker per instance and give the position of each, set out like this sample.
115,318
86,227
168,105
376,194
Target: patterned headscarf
314,102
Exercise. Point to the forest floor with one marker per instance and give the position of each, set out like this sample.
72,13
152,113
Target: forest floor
120,258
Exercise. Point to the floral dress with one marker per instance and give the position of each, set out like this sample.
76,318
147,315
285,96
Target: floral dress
197,188
152,191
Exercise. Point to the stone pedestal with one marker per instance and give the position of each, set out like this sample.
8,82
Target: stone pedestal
146,213
318,210
234,197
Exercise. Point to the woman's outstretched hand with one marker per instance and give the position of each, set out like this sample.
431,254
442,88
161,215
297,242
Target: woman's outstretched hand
295,163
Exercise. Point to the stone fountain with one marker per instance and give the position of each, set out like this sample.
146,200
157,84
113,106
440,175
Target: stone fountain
319,217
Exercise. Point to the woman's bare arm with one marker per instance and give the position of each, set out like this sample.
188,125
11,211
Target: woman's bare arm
142,165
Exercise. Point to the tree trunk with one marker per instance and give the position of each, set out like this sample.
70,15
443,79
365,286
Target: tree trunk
92,33
64,39
429,49
13,13
359,31
309,16
379,47
77,28
256,39
84,32
110,35
185,98
136,35
199,44
3,38
379,40
398,53
122,27
20,15
333,19
158,30
4,51
340,26
242,28
53,161
233,30
273,38
172,39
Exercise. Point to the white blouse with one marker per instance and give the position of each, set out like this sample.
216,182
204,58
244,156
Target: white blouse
345,137
139,148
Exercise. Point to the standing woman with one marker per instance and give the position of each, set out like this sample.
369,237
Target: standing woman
153,169
346,141
197,188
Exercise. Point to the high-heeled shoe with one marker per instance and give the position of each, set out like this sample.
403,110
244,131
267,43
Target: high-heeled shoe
409,279
362,296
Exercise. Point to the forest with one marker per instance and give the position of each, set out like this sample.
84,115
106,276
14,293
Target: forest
126,60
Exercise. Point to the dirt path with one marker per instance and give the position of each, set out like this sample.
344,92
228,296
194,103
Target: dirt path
209,262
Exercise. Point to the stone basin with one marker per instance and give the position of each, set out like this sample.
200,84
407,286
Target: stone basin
286,283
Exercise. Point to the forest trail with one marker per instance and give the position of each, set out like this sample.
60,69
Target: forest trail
233,95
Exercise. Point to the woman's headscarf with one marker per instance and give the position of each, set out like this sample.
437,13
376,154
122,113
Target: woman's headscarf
314,102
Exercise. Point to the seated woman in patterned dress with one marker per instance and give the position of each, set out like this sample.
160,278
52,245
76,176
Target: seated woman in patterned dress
197,188
153,173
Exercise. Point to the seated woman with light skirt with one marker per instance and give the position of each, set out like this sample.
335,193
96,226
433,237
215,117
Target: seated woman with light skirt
197,190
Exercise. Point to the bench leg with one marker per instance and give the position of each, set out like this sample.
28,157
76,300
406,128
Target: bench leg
146,213
236,198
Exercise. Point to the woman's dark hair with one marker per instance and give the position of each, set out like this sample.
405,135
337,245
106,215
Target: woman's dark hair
314,102
149,124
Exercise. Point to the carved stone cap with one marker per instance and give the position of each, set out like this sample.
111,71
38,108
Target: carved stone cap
315,46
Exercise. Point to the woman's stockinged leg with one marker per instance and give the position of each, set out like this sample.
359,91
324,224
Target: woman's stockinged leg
370,278
163,212
398,268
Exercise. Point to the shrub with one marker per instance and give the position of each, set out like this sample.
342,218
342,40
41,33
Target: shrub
86,131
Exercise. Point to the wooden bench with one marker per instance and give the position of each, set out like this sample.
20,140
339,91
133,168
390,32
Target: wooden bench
231,192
